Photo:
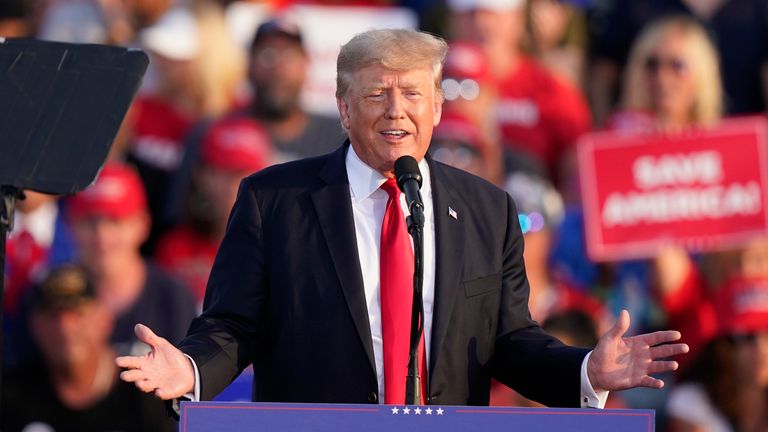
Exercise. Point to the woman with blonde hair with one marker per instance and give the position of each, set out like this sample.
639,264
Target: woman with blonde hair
220,64
673,83
198,73
672,79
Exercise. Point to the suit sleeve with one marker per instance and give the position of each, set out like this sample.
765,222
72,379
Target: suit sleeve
528,360
225,338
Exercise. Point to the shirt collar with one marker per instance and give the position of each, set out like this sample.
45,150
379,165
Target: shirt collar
364,180
40,223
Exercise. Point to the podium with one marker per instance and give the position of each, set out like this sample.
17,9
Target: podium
275,417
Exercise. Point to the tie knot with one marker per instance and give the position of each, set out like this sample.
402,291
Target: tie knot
390,187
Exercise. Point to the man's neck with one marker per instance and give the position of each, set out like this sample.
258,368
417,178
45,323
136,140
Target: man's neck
287,128
83,385
503,59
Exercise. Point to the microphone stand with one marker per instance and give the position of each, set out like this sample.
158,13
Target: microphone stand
416,229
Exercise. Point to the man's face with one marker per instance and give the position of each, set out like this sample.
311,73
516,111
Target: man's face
671,77
389,114
219,187
105,243
489,28
70,337
278,68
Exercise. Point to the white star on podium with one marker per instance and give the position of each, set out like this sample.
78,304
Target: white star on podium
406,410
439,411
428,411
395,410
417,411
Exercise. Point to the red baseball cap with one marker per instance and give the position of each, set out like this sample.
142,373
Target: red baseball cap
467,61
117,192
236,144
742,306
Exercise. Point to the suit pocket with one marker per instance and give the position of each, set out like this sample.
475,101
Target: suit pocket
483,285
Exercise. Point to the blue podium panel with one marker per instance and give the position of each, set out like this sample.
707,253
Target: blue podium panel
272,417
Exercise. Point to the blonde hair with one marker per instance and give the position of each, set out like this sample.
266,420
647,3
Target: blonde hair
220,63
396,49
703,63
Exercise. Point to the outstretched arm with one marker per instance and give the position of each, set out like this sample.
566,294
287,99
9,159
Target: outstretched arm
619,362
164,371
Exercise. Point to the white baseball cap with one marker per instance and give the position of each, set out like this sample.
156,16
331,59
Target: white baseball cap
175,35
493,5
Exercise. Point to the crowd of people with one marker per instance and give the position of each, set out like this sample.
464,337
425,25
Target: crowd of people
523,81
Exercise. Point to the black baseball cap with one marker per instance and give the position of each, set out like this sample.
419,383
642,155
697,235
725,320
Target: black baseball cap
278,27
65,287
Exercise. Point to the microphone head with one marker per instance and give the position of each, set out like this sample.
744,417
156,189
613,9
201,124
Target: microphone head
406,168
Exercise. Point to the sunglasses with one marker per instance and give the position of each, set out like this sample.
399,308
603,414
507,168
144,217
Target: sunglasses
675,64
749,338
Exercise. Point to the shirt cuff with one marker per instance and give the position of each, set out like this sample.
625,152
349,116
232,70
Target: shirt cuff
589,397
192,396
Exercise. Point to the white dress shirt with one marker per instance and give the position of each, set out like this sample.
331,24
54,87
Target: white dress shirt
368,205
39,223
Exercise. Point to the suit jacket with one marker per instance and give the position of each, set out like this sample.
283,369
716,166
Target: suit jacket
286,294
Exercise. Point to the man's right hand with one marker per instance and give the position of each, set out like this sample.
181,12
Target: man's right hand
164,371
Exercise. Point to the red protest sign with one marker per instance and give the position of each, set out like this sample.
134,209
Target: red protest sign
703,189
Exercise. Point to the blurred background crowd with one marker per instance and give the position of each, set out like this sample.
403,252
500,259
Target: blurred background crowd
235,86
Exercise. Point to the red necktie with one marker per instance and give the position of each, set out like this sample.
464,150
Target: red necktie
396,276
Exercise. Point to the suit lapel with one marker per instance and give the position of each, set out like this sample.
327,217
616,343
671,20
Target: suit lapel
334,212
449,244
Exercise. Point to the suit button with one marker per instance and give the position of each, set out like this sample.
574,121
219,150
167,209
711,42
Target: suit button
373,397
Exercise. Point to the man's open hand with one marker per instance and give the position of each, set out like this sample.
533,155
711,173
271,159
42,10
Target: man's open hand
619,362
164,371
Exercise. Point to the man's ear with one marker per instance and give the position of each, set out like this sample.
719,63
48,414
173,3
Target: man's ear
438,110
343,111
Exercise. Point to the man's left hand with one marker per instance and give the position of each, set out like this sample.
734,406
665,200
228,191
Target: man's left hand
619,362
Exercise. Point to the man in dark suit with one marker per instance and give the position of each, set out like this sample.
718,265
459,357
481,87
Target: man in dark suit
297,291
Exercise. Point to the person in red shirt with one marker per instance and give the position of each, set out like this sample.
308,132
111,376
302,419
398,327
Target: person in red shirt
724,388
40,240
470,94
197,73
672,85
537,112
232,148
109,221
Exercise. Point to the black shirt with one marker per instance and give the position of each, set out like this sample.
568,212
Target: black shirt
29,397
164,305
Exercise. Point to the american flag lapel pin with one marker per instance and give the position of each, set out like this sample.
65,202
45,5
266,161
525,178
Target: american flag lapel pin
452,213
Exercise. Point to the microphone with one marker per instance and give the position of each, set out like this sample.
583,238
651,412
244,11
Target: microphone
408,179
